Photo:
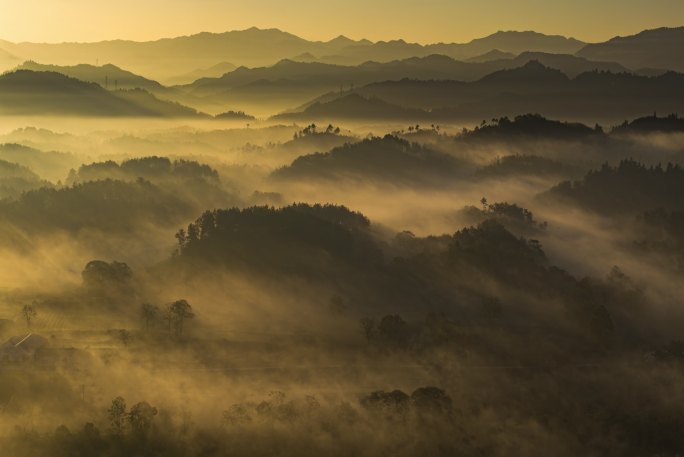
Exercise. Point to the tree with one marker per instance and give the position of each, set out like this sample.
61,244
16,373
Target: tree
124,337
368,327
394,330
432,400
98,273
117,415
179,311
28,312
168,317
141,416
149,313
392,405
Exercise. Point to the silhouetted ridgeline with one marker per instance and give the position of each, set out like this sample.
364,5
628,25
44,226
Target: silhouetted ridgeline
272,239
235,115
149,308
355,107
108,76
106,205
387,159
289,77
26,92
16,179
151,168
535,88
657,48
255,47
652,124
321,243
531,126
629,187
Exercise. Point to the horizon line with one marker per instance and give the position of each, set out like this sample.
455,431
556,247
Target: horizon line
338,36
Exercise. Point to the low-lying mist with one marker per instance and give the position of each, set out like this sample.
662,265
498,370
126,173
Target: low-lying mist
201,288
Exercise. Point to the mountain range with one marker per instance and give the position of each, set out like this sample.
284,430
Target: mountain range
658,48
594,95
257,47
502,71
289,83
169,60
25,92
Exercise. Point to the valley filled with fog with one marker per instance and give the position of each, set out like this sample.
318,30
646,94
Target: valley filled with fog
366,250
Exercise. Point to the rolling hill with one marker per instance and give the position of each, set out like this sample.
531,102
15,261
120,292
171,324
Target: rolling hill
214,71
290,83
7,60
354,107
108,76
658,48
591,96
25,92
389,159
258,47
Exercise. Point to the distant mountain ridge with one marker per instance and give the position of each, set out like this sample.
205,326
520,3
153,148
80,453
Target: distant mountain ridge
108,75
25,92
533,88
254,47
259,47
658,48
292,83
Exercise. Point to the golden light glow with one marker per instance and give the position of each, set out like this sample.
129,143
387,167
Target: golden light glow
421,21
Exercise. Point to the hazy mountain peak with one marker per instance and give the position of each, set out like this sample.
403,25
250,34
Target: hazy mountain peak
662,32
341,40
655,48
494,54
531,72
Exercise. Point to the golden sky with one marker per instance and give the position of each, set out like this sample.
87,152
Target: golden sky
414,20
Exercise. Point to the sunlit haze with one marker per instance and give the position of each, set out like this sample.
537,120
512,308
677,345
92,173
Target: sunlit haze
414,20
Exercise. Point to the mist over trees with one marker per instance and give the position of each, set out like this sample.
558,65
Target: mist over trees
364,248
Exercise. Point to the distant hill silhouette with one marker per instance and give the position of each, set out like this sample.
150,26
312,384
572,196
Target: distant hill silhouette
235,115
25,92
536,88
494,54
319,139
568,64
517,42
657,48
106,205
354,106
628,188
16,179
510,41
51,165
214,71
155,169
258,47
296,82
388,159
109,76
529,125
652,124
294,238
7,60
533,72
166,58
